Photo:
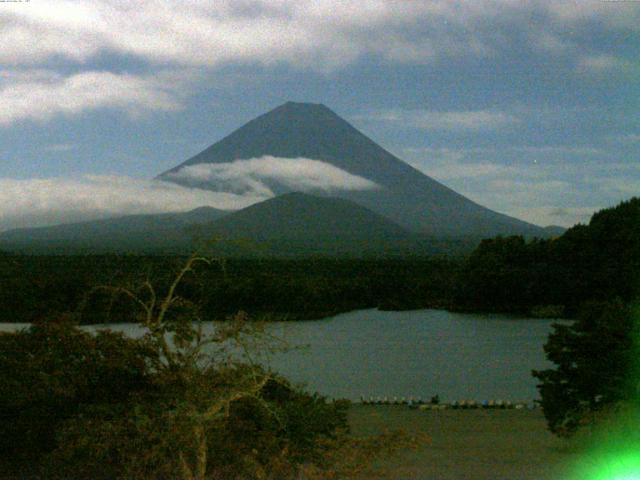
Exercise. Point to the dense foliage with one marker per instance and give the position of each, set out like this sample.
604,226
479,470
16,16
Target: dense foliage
553,278
596,360
50,370
174,404
593,270
33,287
591,273
77,405
594,262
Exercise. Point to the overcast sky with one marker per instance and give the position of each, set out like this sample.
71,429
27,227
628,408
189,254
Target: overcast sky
527,107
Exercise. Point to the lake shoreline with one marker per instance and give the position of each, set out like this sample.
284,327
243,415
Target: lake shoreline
418,353
270,317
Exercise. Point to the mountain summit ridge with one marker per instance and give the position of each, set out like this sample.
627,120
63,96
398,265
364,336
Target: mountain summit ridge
408,197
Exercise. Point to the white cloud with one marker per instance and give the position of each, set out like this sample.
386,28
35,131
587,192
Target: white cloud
255,174
49,201
630,138
550,42
471,120
602,63
548,191
521,188
550,215
552,197
468,120
556,150
549,154
452,170
202,33
617,139
322,35
43,94
623,186
60,147
301,32
623,14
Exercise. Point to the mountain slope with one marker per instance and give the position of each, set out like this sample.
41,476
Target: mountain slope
139,233
410,198
296,224
298,216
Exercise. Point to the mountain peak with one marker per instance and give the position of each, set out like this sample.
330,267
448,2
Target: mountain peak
291,130
290,105
304,114
313,131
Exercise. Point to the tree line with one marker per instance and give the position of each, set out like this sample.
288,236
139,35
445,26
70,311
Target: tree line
595,380
541,277
599,261
35,287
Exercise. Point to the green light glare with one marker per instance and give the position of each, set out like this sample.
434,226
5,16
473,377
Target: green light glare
613,449
635,336
616,466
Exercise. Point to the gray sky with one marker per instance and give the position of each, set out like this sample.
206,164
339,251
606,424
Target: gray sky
528,107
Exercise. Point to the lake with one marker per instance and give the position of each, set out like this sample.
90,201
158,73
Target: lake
416,353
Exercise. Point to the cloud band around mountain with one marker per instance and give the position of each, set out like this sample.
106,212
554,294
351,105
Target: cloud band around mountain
51,201
257,175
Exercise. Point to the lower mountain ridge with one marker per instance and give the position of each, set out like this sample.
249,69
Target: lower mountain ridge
287,225
131,233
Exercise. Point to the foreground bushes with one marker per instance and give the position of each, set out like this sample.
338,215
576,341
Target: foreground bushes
48,372
173,404
77,405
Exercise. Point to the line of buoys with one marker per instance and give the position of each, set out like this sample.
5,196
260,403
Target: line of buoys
391,401
419,403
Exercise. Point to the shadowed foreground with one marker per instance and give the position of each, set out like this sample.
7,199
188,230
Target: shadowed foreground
469,444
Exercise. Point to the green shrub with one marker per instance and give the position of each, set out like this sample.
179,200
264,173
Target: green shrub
50,370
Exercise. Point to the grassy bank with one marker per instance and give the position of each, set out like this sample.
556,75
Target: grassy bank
469,444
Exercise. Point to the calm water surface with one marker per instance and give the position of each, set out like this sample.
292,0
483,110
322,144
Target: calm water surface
417,353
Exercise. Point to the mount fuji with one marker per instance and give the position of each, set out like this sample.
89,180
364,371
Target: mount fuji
326,189
317,138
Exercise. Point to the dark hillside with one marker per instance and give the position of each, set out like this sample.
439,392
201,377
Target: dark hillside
595,262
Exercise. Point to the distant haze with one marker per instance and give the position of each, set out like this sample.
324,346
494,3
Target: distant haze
38,202
51,201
